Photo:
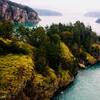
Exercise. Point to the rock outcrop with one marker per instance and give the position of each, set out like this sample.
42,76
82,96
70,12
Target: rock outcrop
17,12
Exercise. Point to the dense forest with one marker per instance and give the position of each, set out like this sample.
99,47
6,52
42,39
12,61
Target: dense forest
35,61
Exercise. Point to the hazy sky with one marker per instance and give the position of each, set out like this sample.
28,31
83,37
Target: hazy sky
64,5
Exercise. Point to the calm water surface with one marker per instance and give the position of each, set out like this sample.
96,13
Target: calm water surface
85,87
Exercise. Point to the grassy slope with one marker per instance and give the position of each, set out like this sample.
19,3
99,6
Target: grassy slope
66,53
15,70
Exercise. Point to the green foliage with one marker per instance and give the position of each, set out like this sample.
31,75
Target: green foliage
16,47
67,37
90,59
6,29
52,55
51,74
4,45
65,52
95,50
15,70
21,47
65,74
82,56
40,60
53,29
23,33
48,56
38,37
66,57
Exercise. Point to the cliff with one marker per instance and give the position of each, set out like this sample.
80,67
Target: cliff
17,12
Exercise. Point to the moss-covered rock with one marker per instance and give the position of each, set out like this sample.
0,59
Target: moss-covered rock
90,59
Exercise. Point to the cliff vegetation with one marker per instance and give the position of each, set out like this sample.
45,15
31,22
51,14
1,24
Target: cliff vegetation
35,63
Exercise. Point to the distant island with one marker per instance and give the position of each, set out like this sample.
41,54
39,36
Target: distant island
46,12
94,14
98,21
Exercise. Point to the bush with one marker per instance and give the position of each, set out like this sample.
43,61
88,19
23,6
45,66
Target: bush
17,47
21,47
66,57
15,70
95,50
4,45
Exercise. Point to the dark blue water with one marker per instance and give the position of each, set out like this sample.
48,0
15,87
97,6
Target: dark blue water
85,87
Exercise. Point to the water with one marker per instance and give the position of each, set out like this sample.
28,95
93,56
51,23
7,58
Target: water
71,17
85,87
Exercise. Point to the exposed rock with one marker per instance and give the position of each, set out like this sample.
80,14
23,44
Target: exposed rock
17,12
82,66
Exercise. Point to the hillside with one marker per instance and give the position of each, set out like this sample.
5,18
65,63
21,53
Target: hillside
35,63
19,76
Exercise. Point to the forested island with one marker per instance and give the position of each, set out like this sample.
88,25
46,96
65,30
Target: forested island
47,12
36,62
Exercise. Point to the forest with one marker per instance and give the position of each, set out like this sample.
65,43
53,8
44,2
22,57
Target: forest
43,57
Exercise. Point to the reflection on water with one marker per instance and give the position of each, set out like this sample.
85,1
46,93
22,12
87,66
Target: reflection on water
85,87
48,20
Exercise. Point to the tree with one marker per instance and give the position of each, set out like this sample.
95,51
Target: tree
53,29
6,29
38,37
23,33
67,37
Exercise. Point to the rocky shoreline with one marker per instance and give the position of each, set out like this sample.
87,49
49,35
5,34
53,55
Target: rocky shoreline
47,92
71,81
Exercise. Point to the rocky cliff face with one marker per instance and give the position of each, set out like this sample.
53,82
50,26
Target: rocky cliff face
17,12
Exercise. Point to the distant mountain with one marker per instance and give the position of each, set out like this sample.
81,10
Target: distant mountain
46,12
17,13
93,14
98,21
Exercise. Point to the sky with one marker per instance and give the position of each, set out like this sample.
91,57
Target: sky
74,6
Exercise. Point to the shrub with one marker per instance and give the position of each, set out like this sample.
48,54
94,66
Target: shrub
21,47
15,70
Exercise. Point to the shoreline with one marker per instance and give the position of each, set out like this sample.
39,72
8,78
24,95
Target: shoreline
63,88
70,82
